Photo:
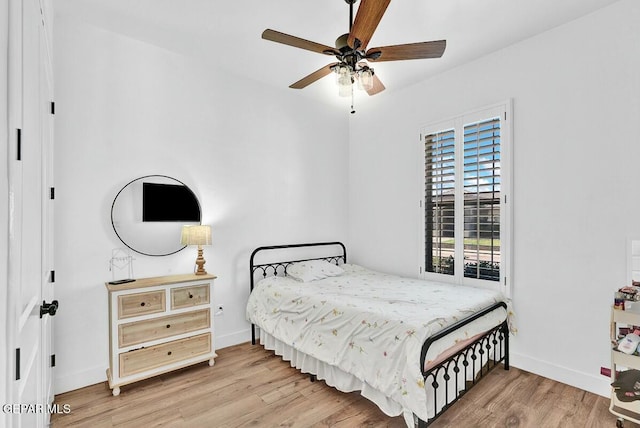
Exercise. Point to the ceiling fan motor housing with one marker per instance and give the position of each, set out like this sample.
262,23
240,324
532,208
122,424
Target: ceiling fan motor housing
346,54
341,42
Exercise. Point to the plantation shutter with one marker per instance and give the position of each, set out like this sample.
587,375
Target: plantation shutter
439,149
482,200
466,199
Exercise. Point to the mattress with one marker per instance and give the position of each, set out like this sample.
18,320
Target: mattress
371,326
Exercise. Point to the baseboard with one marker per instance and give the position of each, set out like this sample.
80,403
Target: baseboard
596,384
80,379
231,339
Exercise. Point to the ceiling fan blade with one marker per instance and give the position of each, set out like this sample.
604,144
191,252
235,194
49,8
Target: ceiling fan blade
297,42
377,86
316,75
367,18
408,51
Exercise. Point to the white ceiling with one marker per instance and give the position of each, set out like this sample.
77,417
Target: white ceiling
227,34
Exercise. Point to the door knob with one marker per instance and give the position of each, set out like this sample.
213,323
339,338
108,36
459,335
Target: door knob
48,308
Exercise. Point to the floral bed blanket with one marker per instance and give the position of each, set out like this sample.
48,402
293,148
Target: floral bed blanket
371,325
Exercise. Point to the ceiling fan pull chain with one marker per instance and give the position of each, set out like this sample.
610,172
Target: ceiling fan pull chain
353,111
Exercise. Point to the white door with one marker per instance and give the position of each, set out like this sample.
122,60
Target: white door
30,213
47,199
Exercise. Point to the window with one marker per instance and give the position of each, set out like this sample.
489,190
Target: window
465,201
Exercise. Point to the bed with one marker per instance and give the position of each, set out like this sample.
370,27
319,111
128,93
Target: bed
413,347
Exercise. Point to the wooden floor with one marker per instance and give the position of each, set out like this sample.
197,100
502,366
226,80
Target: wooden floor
251,387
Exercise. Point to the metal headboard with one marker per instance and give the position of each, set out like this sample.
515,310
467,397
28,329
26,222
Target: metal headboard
275,268
281,266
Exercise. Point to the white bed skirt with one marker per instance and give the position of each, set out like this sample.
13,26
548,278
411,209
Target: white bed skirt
335,377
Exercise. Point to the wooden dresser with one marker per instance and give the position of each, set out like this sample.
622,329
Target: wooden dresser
157,325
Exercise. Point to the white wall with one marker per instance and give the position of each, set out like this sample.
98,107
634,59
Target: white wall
264,163
576,96
4,196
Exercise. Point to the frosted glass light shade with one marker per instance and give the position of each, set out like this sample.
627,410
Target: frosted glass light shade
365,79
342,72
344,80
344,90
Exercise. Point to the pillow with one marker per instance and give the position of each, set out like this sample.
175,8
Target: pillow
351,268
312,270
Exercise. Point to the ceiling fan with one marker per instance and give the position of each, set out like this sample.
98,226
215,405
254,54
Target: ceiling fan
352,53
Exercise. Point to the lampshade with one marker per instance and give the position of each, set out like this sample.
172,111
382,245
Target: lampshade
196,235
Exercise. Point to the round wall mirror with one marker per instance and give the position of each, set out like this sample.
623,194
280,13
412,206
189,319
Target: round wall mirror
148,213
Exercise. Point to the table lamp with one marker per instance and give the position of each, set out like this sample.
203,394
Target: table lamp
197,235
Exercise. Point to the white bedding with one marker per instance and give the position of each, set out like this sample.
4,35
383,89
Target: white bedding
371,325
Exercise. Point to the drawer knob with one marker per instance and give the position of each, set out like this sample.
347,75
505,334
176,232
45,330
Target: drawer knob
169,353
190,296
168,325
142,304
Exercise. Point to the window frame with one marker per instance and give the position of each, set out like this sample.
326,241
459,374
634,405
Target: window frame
504,111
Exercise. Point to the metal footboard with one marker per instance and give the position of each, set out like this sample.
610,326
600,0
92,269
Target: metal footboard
472,362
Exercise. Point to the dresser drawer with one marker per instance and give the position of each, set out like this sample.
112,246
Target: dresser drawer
153,357
157,328
132,305
184,297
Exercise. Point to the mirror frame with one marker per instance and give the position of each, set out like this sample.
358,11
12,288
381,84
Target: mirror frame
130,245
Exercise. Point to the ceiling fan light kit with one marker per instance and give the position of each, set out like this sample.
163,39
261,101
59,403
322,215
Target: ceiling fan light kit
346,77
352,54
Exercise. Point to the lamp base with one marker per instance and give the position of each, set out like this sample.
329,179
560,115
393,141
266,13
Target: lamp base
200,261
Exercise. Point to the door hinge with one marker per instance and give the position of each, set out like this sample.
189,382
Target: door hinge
17,363
53,360
52,276
19,144
52,193
53,107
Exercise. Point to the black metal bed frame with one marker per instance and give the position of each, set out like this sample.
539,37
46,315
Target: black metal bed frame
491,348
